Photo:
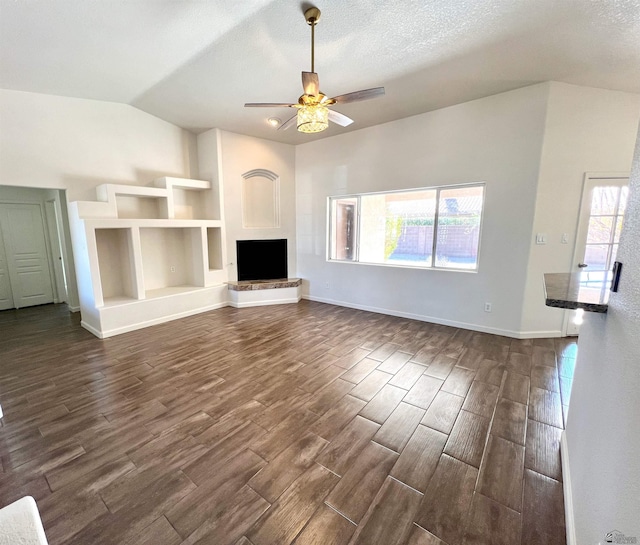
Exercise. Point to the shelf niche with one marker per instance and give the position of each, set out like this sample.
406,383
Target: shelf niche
115,264
214,248
171,257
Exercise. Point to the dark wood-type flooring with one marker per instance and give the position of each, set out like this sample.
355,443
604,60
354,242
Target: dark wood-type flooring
305,424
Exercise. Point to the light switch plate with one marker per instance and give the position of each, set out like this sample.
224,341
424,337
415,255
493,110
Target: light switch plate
541,238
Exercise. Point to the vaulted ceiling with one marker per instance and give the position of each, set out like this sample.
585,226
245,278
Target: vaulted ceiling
196,62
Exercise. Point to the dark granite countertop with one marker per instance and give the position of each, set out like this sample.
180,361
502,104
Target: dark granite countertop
576,290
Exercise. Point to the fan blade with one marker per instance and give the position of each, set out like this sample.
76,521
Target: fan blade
339,119
310,83
288,123
268,105
357,96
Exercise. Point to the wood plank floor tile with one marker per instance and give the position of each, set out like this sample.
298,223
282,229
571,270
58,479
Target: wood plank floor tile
359,485
566,367
510,421
359,371
471,359
65,514
423,392
285,468
516,388
352,358
519,363
491,523
289,430
546,407
209,498
490,371
371,385
212,468
326,527
384,351
481,399
159,531
419,536
389,518
542,511
445,506
544,356
383,404
459,381
440,367
501,472
443,411
543,449
426,354
399,427
329,396
419,458
394,362
240,512
408,375
282,522
347,445
565,389
335,419
468,437
545,377
322,379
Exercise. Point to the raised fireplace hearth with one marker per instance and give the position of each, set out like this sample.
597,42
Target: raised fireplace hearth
262,275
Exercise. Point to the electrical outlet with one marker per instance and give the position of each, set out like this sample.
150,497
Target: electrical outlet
565,238
487,307
327,285
172,268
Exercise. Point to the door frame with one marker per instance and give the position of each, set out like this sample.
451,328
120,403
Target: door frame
581,228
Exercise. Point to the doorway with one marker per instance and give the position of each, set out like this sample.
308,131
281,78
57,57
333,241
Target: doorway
604,201
25,260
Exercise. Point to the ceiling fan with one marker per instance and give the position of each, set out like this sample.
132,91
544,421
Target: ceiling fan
313,106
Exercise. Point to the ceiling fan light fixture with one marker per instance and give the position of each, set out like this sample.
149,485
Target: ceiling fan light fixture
313,118
274,122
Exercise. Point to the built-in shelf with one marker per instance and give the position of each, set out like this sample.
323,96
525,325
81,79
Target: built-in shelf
140,245
576,291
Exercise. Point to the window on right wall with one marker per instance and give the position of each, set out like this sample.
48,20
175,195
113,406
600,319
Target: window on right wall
436,227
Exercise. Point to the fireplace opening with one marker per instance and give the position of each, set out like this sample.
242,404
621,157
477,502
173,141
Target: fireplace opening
262,259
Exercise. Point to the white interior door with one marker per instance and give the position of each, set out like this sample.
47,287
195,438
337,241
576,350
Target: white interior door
604,200
6,296
26,254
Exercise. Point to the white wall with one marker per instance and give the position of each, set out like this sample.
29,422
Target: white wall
75,144
497,140
240,154
587,130
602,435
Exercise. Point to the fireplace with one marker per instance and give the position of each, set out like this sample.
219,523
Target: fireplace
262,259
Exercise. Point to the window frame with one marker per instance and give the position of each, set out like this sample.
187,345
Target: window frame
358,227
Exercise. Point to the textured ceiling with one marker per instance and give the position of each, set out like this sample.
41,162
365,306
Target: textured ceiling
195,62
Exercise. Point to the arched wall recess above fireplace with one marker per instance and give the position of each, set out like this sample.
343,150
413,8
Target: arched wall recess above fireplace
260,199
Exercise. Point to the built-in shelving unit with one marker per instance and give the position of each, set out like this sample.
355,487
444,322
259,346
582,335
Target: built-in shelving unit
148,254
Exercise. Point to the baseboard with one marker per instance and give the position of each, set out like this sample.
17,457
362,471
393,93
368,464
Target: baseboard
73,309
441,321
148,323
92,329
262,303
568,495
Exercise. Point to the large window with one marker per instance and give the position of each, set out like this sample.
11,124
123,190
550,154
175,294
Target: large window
431,227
